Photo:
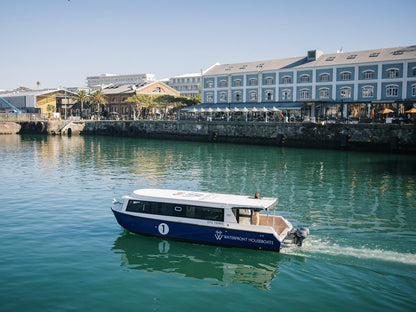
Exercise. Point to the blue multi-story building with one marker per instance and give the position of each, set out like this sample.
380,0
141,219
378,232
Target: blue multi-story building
340,85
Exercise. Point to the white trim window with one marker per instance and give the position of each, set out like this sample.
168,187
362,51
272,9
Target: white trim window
324,77
269,95
414,90
223,96
252,82
368,74
223,83
269,81
324,93
210,97
286,94
286,79
253,96
345,92
304,78
392,73
209,84
237,96
346,75
238,83
367,91
304,94
392,90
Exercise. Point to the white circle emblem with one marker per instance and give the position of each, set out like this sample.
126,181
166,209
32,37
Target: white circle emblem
163,228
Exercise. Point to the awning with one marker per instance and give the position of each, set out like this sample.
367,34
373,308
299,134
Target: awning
270,106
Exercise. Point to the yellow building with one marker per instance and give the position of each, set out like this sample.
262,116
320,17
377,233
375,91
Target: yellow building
45,102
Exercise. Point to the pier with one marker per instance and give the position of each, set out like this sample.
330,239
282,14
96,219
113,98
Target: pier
358,137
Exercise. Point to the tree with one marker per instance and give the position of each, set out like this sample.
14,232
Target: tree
50,108
165,101
82,97
98,98
138,102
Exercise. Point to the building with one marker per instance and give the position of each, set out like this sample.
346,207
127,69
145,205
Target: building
39,101
338,85
189,85
104,80
117,95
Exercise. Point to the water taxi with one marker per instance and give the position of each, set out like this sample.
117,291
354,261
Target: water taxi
212,218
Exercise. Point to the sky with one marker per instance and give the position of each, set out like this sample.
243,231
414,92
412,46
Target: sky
61,42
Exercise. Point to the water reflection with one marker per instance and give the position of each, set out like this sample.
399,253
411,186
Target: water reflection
203,262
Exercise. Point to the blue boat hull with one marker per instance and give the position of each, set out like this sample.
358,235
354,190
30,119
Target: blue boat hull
197,233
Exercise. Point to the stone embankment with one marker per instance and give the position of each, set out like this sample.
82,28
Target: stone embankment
360,137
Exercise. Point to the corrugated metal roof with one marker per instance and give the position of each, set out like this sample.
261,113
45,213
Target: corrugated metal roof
31,92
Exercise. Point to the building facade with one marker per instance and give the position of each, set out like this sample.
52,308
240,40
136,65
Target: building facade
45,101
339,85
104,80
188,85
117,95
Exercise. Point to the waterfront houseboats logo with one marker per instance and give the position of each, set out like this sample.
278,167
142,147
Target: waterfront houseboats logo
218,235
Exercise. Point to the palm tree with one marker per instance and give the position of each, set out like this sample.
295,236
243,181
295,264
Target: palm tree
81,96
98,98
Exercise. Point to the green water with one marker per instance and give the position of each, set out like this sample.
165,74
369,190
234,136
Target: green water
62,250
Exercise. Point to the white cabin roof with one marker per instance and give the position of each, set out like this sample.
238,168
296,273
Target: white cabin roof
202,198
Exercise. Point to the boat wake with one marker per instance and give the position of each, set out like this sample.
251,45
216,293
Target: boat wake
316,248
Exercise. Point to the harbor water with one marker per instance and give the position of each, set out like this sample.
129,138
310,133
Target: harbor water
62,249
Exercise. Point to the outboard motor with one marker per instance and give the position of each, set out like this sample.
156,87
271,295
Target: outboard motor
298,235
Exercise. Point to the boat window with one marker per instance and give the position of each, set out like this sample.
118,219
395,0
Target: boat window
146,208
215,214
186,211
134,206
165,209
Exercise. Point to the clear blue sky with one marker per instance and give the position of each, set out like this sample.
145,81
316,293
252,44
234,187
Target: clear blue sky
61,42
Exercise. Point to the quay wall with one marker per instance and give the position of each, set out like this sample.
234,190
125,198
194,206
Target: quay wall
361,137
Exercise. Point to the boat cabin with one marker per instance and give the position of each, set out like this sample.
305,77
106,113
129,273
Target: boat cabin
198,205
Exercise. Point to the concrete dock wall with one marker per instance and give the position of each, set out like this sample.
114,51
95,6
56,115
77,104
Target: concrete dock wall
365,137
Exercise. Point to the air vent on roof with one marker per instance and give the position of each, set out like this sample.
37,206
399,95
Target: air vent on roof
331,58
398,52
351,57
243,67
260,65
375,54
229,67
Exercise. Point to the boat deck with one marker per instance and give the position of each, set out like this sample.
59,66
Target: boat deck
276,222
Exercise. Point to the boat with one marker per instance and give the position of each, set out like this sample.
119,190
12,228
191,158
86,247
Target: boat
211,218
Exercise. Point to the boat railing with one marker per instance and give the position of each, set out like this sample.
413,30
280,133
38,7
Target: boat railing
277,222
